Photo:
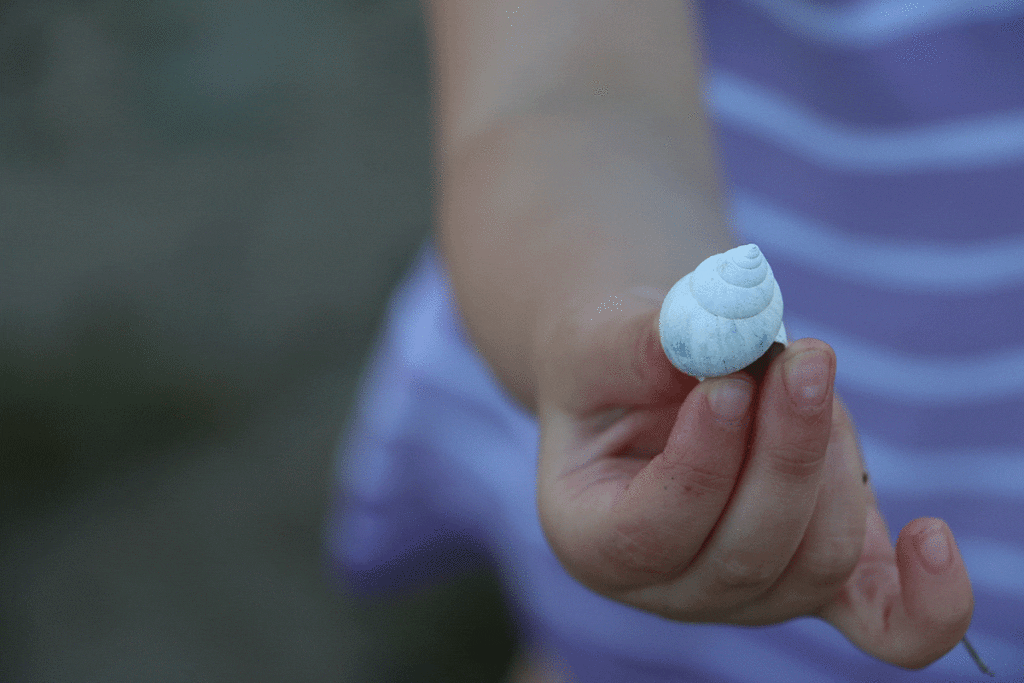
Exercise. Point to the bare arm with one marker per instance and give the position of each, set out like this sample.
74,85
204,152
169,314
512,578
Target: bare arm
570,170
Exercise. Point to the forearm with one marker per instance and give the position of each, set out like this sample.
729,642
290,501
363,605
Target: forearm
549,215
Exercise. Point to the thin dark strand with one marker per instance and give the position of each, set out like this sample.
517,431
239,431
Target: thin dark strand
976,658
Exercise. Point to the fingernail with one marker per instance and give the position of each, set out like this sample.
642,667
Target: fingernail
806,377
729,398
933,547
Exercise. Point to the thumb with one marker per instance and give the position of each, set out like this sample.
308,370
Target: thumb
614,357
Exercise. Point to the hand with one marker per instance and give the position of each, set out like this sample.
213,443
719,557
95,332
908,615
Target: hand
648,498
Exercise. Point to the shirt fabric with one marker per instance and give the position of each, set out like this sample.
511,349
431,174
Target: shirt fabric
874,151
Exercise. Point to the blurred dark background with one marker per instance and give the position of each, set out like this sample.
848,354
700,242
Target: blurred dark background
203,207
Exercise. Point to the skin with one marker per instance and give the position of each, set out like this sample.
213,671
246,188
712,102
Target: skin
647,498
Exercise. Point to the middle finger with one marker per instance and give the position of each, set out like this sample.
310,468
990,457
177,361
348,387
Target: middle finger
834,539
778,488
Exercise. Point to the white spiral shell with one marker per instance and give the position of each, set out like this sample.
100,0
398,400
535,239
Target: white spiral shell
724,315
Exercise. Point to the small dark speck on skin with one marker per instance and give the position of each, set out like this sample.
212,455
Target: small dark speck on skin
666,487
865,477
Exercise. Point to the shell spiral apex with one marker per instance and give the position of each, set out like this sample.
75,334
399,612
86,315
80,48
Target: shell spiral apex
724,315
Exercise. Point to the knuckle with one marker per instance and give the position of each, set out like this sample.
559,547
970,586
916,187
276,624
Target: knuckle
637,550
745,571
696,474
697,481
798,460
830,563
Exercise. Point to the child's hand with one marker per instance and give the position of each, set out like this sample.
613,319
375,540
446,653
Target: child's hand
649,499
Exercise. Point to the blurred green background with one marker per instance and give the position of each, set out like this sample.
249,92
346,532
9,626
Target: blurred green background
203,207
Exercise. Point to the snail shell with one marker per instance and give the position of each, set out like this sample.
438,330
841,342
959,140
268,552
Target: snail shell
724,315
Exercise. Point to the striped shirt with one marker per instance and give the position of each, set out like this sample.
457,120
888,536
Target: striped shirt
875,152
